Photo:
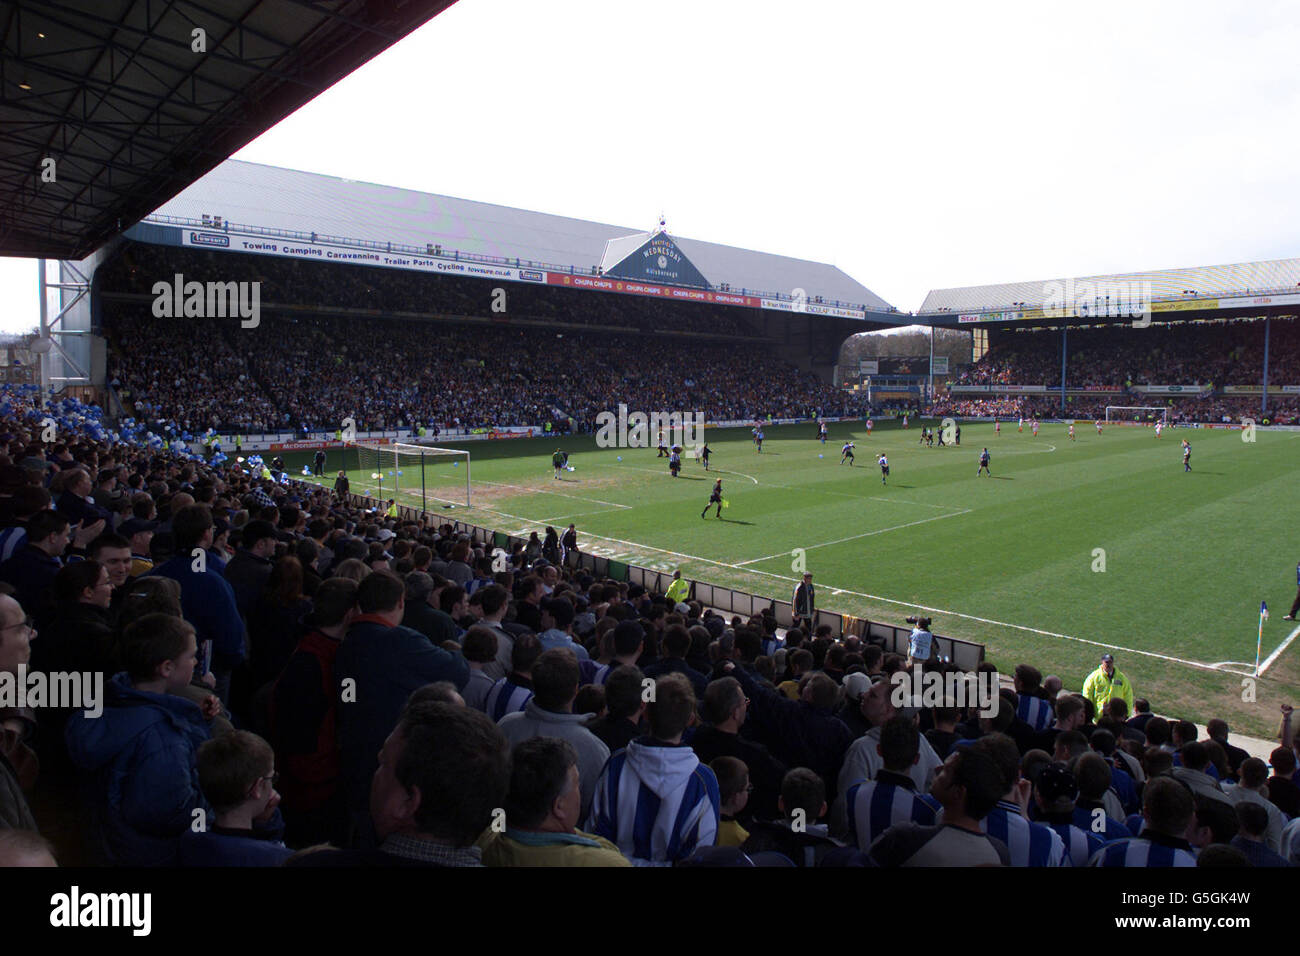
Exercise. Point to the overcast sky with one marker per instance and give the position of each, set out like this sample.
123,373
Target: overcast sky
915,146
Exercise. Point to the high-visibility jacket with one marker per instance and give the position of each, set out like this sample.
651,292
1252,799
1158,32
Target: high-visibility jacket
1099,689
678,590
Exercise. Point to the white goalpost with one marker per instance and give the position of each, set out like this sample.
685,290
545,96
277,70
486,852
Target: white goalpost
415,475
1136,413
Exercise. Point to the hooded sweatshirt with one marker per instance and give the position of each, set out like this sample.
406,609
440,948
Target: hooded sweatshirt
533,721
656,802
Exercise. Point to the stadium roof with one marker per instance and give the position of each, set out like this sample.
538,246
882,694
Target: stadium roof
116,93
1243,279
285,200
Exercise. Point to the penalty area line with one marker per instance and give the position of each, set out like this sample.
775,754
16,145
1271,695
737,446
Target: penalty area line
865,534
547,491
920,607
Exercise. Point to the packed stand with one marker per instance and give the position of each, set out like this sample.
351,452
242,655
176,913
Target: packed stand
1119,356
324,686
314,372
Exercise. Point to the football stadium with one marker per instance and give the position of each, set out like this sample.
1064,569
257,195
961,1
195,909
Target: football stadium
443,532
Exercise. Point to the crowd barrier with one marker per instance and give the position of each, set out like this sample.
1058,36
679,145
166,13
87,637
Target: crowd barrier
893,638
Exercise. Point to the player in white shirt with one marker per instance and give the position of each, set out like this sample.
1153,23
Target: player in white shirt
1098,424
1071,431
883,462
1035,427
1159,425
1022,424
870,425
997,427
846,453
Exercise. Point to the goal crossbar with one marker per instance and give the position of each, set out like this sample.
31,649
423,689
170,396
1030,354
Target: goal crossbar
416,472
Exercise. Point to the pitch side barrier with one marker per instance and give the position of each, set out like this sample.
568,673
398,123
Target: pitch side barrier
894,639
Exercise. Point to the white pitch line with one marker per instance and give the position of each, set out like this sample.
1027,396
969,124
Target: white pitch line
576,514
865,534
912,604
546,491
739,473
658,471
1280,648
1230,665
903,501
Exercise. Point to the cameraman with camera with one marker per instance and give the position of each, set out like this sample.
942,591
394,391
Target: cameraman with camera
918,644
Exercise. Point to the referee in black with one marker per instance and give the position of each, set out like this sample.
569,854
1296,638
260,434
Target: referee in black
714,498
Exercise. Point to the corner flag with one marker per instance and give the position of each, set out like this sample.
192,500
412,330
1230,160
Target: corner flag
1259,642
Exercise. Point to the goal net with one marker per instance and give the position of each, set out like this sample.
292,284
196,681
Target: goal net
413,476
1140,414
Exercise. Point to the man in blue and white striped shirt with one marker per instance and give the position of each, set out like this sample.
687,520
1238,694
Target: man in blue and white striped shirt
629,643
876,805
1055,793
1167,809
1033,709
655,800
512,693
1030,844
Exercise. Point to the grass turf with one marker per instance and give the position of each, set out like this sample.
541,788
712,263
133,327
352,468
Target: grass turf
1011,561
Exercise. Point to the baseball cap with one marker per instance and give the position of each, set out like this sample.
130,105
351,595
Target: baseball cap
855,685
385,534
1055,782
683,608
1107,659
135,525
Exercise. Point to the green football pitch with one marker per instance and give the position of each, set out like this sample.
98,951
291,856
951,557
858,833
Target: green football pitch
1069,549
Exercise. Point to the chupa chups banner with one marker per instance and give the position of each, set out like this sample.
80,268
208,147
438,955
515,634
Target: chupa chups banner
608,284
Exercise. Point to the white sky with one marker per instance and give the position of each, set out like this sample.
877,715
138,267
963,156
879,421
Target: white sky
916,146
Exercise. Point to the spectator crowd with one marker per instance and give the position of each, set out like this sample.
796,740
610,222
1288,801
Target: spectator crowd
321,685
